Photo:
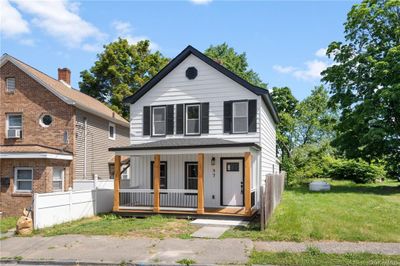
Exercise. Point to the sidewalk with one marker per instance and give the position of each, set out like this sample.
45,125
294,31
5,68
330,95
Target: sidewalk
116,250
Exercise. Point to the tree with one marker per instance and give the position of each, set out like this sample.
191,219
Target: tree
365,82
119,71
237,63
315,121
286,104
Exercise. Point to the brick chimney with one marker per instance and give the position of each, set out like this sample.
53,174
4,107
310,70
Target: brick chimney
64,74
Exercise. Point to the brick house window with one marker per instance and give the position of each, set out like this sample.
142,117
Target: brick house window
58,179
10,85
23,177
111,131
14,126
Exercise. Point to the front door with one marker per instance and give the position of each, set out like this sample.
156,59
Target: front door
232,182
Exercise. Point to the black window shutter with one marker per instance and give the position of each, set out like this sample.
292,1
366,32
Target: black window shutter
252,113
146,120
228,117
204,117
179,119
170,119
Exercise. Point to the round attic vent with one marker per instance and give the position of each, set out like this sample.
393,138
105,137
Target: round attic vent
191,73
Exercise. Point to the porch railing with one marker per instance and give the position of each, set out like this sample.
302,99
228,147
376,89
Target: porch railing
178,198
139,198
169,199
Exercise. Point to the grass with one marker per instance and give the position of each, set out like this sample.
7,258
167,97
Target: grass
310,258
109,224
186,262
7,223
349,212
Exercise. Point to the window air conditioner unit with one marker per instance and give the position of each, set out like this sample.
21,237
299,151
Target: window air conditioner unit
14,133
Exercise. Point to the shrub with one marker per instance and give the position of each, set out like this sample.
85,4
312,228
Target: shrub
357,171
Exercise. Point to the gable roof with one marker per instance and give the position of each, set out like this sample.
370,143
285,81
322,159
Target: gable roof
66,93
189,50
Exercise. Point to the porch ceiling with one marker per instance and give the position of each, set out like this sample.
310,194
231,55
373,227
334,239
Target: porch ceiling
186,146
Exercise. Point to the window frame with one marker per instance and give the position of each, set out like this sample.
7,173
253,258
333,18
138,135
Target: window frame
152,174
164,107
187,177
16,180
7,88
126,174
247,117
8,123
62,179
42,124
186,119
112,125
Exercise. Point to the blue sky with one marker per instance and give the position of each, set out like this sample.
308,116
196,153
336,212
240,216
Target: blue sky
284,40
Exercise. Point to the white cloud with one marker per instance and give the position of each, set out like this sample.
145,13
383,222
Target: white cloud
284,69
313,70
321,52
200,2
124,30
11,21
61,20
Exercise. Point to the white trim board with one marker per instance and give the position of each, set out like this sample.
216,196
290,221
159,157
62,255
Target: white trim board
184,151
35,155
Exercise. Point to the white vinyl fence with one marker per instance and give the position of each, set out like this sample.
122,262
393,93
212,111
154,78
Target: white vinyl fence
85,184
59,207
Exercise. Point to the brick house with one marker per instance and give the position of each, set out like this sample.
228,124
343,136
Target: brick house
50,134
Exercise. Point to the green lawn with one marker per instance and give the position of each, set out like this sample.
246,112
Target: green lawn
109,224
317,258
348,212
7,223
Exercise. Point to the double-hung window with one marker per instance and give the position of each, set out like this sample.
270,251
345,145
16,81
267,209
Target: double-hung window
58,179
159,121
10,84
240,117
191,175
192,119
14,125
23,177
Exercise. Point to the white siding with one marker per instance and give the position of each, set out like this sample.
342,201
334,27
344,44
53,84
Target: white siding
209,86
268,142
140,176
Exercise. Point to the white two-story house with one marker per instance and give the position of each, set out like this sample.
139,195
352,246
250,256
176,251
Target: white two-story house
202,140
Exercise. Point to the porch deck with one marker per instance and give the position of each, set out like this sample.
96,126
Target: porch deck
234,212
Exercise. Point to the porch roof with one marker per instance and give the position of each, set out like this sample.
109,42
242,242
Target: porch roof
186,144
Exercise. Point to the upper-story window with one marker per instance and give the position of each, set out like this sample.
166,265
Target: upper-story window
240,117
45,120
10,83
159,121
14,126
192,119
111,131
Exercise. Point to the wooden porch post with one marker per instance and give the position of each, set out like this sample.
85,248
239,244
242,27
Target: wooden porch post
117,177
247,183
156,183
200,183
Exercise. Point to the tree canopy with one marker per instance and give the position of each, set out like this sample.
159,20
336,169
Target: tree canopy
365,82
119,71
237,63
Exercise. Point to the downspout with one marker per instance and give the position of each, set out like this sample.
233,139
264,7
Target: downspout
85,146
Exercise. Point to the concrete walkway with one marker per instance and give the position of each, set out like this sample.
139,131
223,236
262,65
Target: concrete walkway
330,247
107,249
114,250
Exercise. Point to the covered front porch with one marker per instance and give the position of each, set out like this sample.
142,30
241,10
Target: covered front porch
197,180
